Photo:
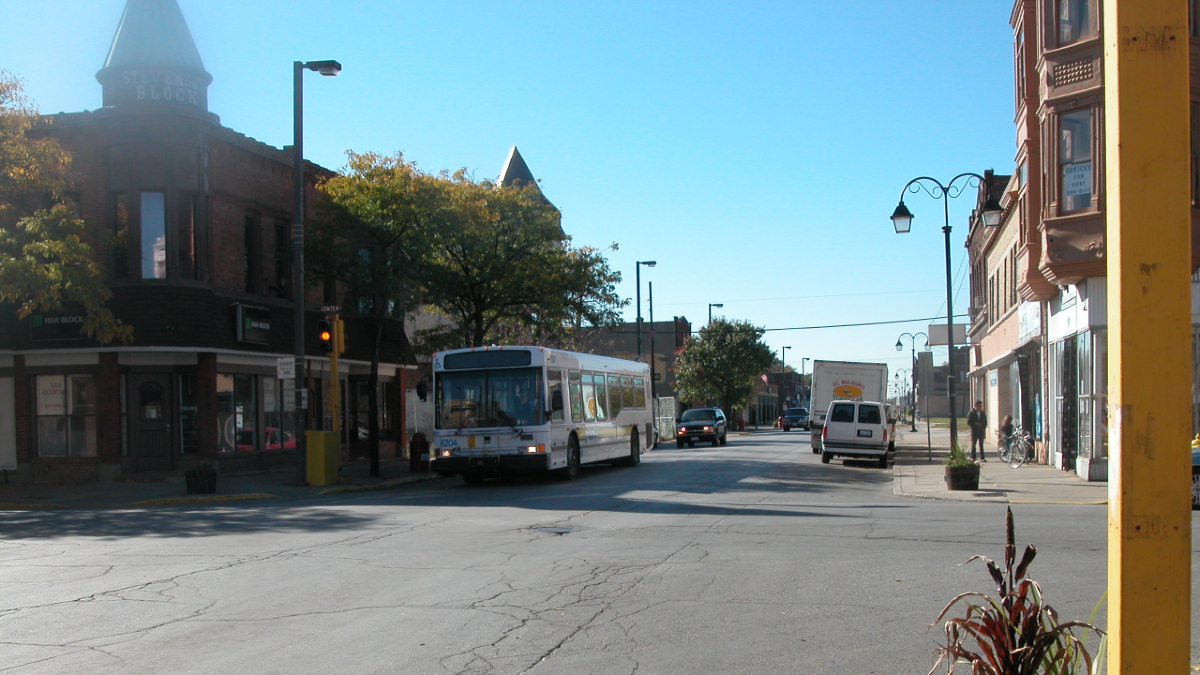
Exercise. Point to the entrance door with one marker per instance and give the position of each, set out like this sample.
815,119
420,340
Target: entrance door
150,422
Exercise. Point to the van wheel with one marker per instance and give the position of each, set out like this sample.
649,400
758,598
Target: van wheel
825,457
679,444
724,438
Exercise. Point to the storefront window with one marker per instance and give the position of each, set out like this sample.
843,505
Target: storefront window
66,415
277,427
237,413
189,421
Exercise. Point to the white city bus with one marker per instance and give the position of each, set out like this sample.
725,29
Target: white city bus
500,410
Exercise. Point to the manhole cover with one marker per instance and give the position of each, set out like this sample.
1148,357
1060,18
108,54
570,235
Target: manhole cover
555,530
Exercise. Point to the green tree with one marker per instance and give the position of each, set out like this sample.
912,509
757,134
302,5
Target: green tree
501,267
46,257
722,363
373,234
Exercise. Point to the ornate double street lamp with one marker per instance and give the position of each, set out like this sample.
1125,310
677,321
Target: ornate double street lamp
990,213
638,281
328,69
783,370
912,396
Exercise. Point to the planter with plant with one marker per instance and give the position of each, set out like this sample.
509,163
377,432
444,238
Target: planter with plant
961,472
201,479
1016,632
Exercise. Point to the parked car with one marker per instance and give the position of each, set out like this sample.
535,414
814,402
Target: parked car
701,424
860,430
795,417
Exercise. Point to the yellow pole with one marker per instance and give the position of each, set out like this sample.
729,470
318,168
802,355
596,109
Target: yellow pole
1150,363
335,382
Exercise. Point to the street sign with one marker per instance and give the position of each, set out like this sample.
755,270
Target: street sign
331,309
285,367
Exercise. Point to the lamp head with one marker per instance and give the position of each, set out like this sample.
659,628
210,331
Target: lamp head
648,263
902,218
991,212
326,68
899,345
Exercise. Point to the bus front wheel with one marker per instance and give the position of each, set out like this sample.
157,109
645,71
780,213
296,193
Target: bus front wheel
571,470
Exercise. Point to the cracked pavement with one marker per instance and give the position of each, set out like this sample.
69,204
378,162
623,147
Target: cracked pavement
749,558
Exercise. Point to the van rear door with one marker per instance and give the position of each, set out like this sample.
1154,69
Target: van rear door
840,425
869,429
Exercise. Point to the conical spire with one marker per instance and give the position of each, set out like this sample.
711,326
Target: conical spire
153,59
515,172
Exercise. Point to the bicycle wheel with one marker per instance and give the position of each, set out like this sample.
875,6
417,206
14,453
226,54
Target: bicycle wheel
1019,453
1005,450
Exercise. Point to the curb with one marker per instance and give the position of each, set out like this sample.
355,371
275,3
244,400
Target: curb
209,499
18,506
385,485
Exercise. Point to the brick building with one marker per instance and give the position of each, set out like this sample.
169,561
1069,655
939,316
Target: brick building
201,269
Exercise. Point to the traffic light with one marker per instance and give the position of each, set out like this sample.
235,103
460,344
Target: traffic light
325,335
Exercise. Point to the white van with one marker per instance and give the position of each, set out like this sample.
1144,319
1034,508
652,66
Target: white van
858,429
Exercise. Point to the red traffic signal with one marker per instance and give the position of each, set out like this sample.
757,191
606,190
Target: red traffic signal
325,335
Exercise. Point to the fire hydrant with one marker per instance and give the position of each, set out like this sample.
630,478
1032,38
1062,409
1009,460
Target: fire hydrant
418,453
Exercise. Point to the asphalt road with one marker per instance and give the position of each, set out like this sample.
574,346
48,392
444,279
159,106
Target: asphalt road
749,558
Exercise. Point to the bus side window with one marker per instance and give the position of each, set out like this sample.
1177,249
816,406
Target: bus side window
614,395
627,398
601,398
576,396
554,386
639,393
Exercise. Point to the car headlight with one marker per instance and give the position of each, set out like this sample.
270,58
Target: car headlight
708,428
447,452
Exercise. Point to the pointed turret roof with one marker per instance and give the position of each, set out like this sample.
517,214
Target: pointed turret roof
153,60
153,33
516,171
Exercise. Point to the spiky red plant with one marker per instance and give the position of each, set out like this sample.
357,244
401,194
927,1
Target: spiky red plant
1016,633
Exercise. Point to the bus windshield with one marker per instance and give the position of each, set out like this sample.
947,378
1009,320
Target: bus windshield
477,399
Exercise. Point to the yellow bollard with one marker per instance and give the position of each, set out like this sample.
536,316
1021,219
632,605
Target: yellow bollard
324,453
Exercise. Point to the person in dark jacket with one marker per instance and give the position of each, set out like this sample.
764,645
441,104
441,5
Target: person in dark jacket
977,420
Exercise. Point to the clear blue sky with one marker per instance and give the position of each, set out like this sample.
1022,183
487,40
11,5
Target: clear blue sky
755,150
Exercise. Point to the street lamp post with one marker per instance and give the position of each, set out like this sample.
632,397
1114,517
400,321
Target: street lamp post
328,69
803,398
912,392
783,371
902,220
710,306
638,278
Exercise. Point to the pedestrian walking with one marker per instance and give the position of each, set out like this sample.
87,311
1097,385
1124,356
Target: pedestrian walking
977,420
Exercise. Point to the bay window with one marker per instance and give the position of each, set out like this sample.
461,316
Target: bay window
1075,160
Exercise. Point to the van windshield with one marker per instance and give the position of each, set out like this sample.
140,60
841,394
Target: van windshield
700,414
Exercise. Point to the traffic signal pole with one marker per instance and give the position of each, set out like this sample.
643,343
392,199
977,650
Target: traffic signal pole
1148,254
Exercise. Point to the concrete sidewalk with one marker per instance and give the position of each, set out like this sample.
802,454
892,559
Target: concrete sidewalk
169,489
919,472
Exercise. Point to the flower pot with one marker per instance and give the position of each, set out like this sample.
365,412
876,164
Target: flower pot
962,477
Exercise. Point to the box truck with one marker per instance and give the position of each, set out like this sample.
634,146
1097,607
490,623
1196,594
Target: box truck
842,380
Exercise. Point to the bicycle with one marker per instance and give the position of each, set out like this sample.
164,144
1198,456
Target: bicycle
1016,448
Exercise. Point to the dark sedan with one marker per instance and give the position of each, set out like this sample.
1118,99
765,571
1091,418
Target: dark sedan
701,424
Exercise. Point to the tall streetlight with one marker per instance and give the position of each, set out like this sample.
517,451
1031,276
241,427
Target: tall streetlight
783,370
912,392
990,213
638,277
328,69
710,306
803,398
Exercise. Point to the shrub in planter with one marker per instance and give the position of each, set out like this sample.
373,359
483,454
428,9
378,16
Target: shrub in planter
1016,632
201,479
961,472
